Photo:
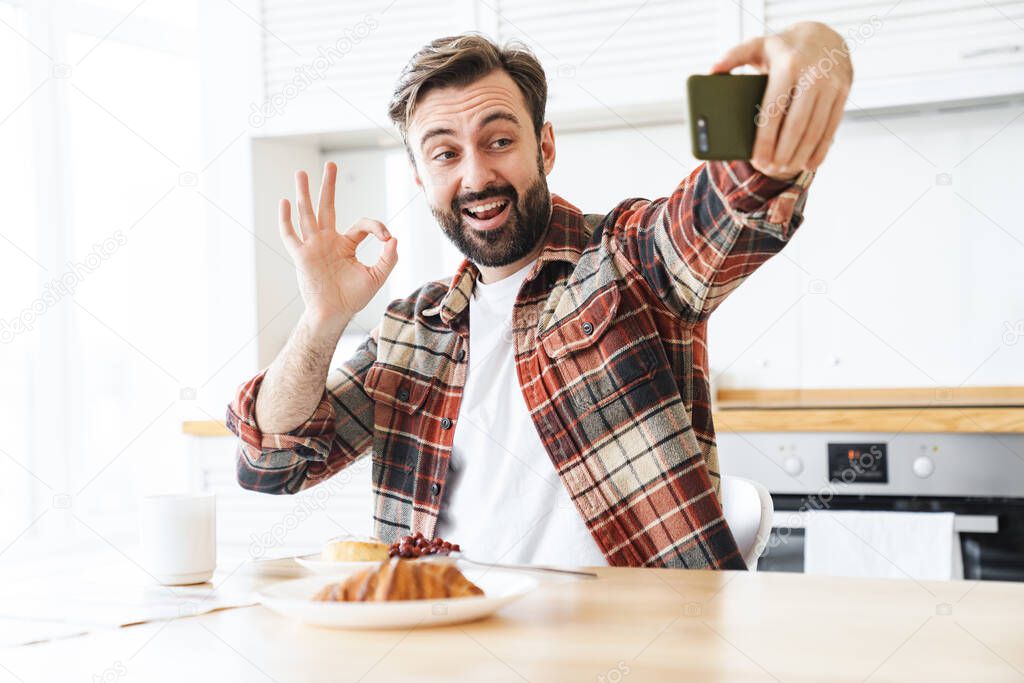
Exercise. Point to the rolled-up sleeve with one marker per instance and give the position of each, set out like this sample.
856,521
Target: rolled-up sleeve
338,433
717,227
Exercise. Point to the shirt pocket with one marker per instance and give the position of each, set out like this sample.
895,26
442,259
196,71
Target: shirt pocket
399,397
395,389
599,353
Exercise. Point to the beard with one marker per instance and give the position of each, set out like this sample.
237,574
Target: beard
525,225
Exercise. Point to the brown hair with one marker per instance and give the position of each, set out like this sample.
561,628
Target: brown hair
461,60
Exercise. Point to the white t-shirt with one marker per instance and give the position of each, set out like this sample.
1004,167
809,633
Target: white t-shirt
503,500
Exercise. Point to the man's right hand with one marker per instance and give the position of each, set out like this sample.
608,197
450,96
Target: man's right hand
334,284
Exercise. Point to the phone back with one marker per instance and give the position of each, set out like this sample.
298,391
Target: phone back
723,109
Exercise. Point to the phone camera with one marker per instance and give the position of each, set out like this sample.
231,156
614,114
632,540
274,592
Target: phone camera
702,135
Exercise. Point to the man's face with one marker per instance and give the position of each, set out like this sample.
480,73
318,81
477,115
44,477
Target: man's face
482,168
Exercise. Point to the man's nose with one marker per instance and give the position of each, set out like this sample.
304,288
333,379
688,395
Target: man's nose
477,174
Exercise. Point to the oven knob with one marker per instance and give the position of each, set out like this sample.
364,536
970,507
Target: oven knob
793,465
923,466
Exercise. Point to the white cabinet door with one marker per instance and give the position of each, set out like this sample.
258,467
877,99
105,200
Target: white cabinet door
602,55
915,51
911,236
332,66
754,336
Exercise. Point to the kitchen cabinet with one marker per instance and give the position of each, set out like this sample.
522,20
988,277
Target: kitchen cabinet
329,67
917,51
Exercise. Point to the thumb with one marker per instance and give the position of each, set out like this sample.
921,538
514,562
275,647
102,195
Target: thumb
751,52
386,262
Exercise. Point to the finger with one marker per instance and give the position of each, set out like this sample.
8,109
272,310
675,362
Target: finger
325,214
367,226
750,52
770,116
385,262
284,223
815,129
835,116
794,127
307,221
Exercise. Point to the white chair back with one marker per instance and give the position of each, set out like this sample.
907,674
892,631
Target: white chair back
749,511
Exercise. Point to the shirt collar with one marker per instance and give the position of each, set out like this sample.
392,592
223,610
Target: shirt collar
568,235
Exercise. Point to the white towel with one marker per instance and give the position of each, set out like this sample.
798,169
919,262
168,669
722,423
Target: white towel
918,545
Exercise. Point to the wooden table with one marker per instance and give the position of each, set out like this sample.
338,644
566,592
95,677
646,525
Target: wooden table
629,625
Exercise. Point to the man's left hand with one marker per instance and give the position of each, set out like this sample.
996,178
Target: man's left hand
809,76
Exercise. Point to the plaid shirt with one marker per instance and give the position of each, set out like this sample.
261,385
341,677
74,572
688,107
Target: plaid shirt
609,334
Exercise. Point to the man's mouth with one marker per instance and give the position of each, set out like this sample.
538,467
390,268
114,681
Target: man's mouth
487,215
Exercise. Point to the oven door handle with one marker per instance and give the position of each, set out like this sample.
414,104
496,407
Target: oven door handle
962,524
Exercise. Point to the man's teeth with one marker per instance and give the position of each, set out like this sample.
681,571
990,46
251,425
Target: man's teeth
487,207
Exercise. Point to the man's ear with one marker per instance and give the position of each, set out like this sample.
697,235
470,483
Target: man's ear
547,146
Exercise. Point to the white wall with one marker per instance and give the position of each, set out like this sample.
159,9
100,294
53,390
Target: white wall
895,279
278,304
876,290
902,279
229,84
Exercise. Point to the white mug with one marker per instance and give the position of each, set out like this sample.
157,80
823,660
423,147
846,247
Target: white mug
178,533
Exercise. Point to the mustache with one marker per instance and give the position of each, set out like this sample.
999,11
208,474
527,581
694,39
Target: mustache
507,192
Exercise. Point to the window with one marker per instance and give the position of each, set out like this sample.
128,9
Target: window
103,257
20,264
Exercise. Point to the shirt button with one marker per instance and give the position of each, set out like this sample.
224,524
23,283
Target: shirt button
462,355
445,424
588,328
403,394
435,489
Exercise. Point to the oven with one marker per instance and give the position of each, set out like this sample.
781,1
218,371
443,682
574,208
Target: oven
977,477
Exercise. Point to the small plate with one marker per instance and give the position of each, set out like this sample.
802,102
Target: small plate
294,599
314,563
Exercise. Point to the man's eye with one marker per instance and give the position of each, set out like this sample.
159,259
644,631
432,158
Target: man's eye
440,156
498,142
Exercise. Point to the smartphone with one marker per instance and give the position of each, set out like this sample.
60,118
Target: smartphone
723,113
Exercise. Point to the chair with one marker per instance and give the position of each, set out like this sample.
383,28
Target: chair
748,510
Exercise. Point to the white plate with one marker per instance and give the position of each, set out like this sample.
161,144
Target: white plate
314,563
294,599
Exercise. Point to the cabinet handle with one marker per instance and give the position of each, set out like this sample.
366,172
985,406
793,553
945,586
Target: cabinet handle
985,51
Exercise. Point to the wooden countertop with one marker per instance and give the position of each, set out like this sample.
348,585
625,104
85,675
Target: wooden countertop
967,420
989,410
884,397
628,625
983,410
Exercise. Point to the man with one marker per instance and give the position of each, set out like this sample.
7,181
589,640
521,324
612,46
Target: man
550,403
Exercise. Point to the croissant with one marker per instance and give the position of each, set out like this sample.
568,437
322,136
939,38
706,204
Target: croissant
399,579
